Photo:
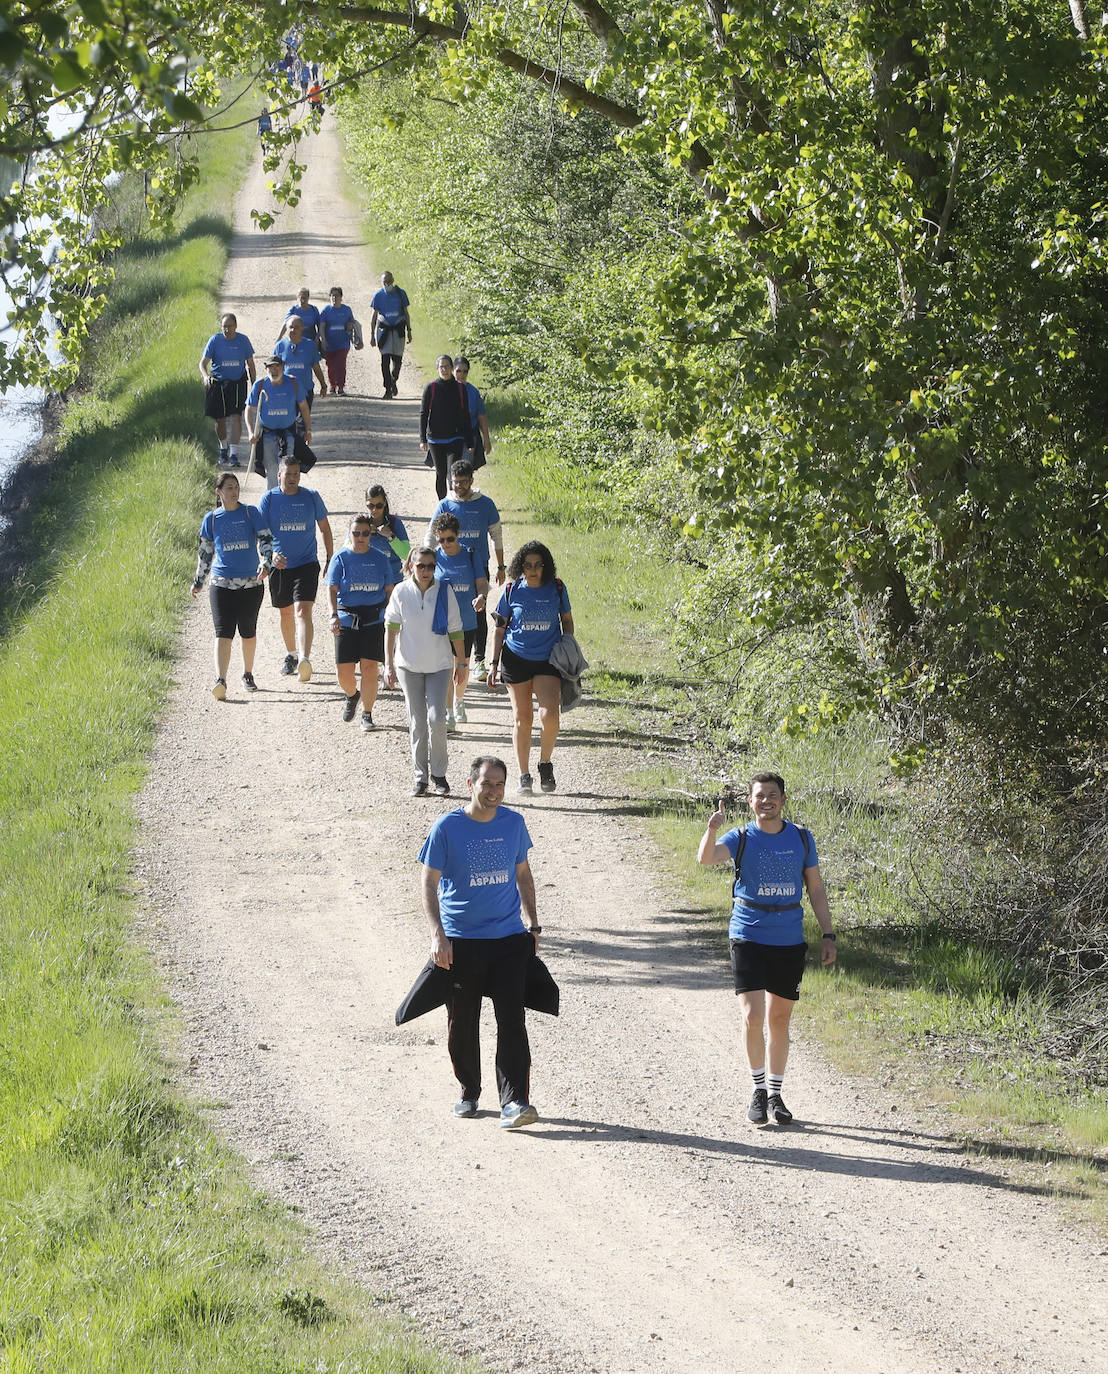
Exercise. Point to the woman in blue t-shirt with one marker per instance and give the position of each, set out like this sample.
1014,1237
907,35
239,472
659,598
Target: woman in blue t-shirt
237,549
389,532
531,617
359,581
335,324
455,564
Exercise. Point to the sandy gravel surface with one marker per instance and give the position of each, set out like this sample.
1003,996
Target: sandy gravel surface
642,1225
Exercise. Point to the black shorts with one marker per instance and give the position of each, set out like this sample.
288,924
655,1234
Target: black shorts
287,585
351,646
768,968
225,398
514,668
235,608
468,637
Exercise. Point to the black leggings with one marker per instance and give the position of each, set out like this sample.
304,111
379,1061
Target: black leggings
444,455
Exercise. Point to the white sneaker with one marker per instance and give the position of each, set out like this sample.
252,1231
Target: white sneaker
451,723
304,670
460,713
480,670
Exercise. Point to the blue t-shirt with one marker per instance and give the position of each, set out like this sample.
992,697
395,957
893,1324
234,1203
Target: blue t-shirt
362,579
235,536
390,305
292,521
276,402
229,356
309,314
458,570
772,874
532,615
478,893
474,518
299,360
334,319
476,405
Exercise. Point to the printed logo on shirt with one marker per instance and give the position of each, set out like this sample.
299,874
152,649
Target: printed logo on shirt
486,863
365,586
535,624
236,545
296,525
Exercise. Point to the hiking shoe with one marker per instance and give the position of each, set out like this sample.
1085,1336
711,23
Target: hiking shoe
480,670
526,786
756,1113
419,787
517,1114
777,1109
219,690
350,707
367,722
224,454
233,460
304,670
465,1106
451,723
460,713
442,787
546,777
248,682
289,665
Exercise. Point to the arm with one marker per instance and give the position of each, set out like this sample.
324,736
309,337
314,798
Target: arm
251,370
391,633
373,328
525,881
483,425
251,418
407,324
206,369
333,594
265,553
496,534
320,378
566,622
442,951
482,586
204,558
306,416
711,851
493,679
817,895
328,538
424,415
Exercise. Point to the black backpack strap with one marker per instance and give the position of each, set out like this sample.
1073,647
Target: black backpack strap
739,862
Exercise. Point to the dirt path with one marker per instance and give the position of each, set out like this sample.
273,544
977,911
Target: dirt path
642,1225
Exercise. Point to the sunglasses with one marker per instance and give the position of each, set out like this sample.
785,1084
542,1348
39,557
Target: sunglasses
361,534
448,538
425,567
376,505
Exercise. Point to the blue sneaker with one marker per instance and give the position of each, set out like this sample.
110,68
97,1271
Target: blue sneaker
465,1106
517,1114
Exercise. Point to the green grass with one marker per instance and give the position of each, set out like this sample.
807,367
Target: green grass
132,1240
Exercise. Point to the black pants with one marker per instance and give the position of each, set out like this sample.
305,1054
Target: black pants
444,455
496,969
390,369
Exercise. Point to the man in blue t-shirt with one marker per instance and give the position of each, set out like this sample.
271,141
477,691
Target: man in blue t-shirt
389,326
305,312
775,861
272,408
292,514
227,366
303,360
476,878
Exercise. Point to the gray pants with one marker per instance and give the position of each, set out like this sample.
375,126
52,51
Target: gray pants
273,445
425,698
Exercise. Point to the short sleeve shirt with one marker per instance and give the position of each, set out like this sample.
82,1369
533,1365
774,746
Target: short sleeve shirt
229,356
478,893
235,536
292,521
532,618
772,876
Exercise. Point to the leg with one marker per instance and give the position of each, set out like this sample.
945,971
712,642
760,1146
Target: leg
397,359
753,1006
250,603
305,629
222,657
369,682
221,431
345,674
548,692
441,455
271,458
249,647
481,639
436,685
522,719
386,372
414,687
780,1011
234,427
460,687
288,629
463,1013
504,984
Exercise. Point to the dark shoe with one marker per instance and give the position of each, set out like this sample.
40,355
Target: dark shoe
419,787
289,665
350,708
517,1114
777,1109
248,682
442,787
756,1113
224,454
465,1106
388,397
368,723
526,785
546,777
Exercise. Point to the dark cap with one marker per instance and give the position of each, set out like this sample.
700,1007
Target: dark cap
274,358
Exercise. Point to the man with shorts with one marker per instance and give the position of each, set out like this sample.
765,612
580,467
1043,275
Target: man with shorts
476,878
272,408
389,326
774,862
226,365
292,513
478,525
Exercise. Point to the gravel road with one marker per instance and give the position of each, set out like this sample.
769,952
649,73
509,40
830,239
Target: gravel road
642,1225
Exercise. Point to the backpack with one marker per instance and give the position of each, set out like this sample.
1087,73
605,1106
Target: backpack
806,840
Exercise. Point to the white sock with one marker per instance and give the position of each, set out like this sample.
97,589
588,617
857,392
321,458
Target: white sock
775,1081
759,1077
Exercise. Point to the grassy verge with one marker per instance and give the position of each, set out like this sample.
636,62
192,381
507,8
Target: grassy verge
946,1021
132,1242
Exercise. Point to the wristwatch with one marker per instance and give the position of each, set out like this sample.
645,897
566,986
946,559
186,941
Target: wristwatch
534,930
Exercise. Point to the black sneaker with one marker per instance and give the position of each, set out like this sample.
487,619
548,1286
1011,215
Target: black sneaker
419,787
442,787
289,665
368,723
526,785
756,1113
249,683
350,708
777,1109
546,777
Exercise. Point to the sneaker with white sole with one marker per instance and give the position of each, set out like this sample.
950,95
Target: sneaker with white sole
480,670
367,722
219,689
546,777
526,786
451,723
289,665
419,787
460,713
465,1106
777,1109
442,787
304,670
248,682
757,1113
517,1114
350,707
